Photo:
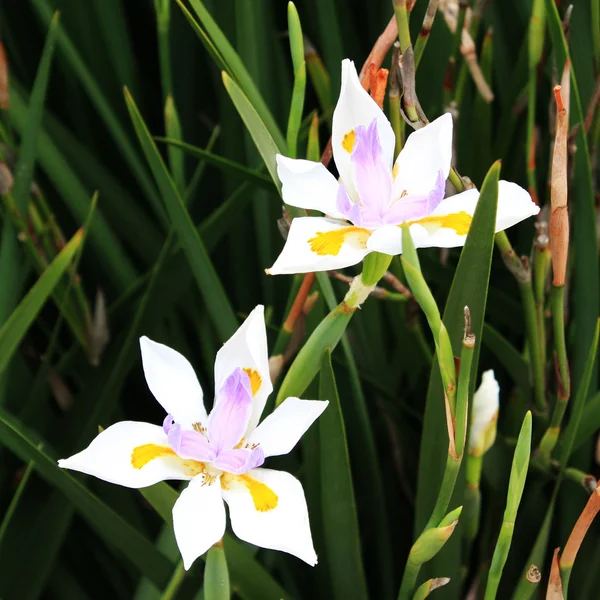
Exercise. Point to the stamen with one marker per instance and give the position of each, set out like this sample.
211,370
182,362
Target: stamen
199,428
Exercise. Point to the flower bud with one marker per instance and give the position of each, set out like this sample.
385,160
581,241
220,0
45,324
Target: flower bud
430,542
484,415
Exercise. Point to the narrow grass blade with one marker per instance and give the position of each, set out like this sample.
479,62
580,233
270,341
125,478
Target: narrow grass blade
208,282
105,110
226,165
516,485
113,528
238,71
114,260
10,257
340,522
265,143
16,326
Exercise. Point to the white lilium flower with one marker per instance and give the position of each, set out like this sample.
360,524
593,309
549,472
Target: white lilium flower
220,453
365,209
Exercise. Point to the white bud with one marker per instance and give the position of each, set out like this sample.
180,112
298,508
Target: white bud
484,415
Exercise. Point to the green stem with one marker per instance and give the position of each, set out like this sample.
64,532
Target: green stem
174,583
522,273
541,263
405,47
550,437
409,580
425,31
402,22
446,491
396,121
537,366
516,484
456,181
557,299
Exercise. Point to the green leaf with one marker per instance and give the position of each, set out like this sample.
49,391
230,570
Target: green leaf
21,319
108,524
340,522
209,285
226,165
216,575
265,143
238,71
97,97
469,288
10,256
114,260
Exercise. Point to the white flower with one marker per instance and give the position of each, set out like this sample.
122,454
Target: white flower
373,198
484,415
219,453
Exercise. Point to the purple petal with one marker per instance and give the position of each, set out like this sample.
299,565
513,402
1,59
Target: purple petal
416,207
239,460
168,423
372,175
190,444
229,418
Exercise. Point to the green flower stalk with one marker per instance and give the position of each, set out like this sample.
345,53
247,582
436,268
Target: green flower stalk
559,244
521,270
427,545
329,332
516,485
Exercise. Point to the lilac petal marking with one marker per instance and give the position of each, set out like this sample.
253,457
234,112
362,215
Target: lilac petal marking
416,207
168,423
372,175
350,210
229,418
190,444
436,195
239,460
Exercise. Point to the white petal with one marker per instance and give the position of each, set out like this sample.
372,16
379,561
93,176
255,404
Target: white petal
173,382
131,454
388,239
486,401
355,107
247,349
281,521
198,519
514,205
426,151
308,184
297,255
284,427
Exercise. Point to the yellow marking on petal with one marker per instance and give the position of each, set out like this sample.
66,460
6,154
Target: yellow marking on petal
193,467
142,455
395,171
348,141
264,498
330,242
460,222
255,379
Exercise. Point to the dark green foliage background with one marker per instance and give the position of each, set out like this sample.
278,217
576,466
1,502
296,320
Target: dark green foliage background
50,550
